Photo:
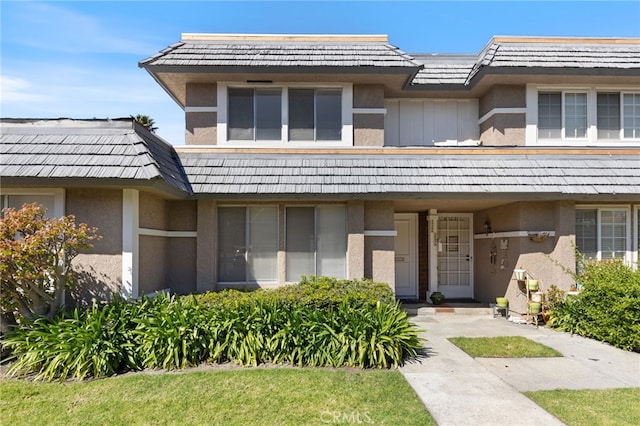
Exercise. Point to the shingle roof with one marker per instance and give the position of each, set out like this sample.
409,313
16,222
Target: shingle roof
282,54
521,53
232,174
87,149
444,69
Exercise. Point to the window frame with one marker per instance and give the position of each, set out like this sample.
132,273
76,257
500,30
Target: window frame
246,251
223,115
315,230
599,208
58,195
532,120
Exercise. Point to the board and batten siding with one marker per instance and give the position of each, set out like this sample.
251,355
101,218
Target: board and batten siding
423,122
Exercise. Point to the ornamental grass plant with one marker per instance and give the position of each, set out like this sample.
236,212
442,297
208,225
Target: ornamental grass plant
320,323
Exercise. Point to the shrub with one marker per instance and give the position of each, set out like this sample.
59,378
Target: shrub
98,342
607,308
318,292
333,327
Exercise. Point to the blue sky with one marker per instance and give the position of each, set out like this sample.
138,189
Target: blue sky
79,59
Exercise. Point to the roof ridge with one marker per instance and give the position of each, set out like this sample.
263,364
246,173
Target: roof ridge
379,38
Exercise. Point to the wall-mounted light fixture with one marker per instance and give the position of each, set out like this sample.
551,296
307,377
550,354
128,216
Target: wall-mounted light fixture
487,227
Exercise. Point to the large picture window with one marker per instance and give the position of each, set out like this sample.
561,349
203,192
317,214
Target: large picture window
562,115
316,241
247,244
290,113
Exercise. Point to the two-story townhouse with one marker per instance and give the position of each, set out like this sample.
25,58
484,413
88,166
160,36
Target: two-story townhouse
345,156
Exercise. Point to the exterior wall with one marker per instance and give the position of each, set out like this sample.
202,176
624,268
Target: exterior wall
379,252
368,129
201,126
541,259
153,213
503,108
355,240
100,268
206,259
151,264
181,257
423,255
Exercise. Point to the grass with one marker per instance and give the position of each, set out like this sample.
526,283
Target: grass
503,347
602,407
265,396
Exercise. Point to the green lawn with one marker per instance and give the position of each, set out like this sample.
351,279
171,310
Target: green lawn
602,407
503,347
265,396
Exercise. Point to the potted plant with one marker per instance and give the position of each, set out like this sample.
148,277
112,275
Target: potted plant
532,285
437,298
534,307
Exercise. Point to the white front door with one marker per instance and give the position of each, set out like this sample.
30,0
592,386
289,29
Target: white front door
406,255
455,255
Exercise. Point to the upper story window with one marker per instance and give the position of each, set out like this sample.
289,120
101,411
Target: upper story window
295,114
585,116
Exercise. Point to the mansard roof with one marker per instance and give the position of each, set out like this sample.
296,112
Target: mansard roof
225,52
532,55
415,173
117,150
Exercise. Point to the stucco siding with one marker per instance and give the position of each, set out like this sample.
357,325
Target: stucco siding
201,126
181,265
153,213
368,130
547,260
355,240
379,252
368,96
503,97
182,215
152,264
206,259
99,268
503,130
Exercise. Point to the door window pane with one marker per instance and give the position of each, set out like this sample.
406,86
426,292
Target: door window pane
231,244
613,227
332,242
328,115
301,114
631,104
608,115
268,114
301,242
241,114
575,115
549,115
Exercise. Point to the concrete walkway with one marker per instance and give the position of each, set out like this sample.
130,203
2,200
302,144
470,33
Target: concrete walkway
460,390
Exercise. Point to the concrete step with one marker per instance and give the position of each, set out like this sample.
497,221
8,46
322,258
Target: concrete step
426,309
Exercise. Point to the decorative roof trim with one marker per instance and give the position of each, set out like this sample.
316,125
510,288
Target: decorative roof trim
373,38
567,40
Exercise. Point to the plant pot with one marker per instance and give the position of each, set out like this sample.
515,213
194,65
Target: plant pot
546,316
536,297
502,302
534,307
437,298
520,274
532,285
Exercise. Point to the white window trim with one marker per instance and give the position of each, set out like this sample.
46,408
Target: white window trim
531,130
347,116
57,193
628,257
